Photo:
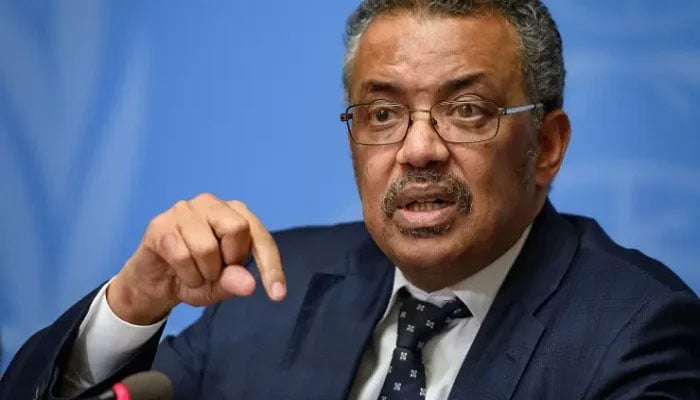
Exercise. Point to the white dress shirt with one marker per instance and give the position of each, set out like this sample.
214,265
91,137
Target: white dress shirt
444,354
105,342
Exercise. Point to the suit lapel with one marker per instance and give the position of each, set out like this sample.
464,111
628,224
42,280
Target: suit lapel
510,333
335,323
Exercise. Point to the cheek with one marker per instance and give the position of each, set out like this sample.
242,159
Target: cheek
477,164
497,182
490,170
373,168
373,171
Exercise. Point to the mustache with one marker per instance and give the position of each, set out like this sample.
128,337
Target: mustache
452,186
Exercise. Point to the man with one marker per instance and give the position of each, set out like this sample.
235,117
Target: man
463,281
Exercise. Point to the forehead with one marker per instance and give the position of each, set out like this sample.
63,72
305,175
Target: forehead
418,54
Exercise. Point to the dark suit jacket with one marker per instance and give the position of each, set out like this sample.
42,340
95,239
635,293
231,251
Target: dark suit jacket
577,317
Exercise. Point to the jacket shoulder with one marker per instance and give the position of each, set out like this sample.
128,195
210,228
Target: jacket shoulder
599,257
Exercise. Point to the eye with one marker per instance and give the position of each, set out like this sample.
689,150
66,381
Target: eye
468,110
381,115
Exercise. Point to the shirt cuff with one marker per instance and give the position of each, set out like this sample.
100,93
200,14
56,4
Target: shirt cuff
104,343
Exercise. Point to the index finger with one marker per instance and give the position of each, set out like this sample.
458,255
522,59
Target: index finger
265,253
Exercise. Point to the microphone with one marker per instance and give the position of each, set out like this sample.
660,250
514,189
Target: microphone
149,385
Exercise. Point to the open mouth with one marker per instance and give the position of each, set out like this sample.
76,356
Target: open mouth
424,198
426,205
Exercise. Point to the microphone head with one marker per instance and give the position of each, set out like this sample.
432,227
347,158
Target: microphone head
149,385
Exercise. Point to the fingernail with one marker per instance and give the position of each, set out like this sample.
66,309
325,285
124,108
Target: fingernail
277,290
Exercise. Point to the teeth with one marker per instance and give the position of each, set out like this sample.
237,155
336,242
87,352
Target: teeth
425,206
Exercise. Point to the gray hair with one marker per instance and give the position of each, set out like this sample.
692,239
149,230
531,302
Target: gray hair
540,42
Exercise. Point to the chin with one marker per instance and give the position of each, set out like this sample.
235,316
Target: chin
430,232
423,248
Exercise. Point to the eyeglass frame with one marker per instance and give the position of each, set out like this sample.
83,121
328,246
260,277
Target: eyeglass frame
502,111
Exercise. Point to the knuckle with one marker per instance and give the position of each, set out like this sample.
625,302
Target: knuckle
205,198
159,226
238,205
181,205
205,248
157,223
237,225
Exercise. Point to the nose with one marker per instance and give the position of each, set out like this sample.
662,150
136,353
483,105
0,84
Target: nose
422,144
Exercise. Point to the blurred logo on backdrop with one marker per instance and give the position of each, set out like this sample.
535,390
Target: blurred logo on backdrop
627,18
651,206
641,61
640,43
72,113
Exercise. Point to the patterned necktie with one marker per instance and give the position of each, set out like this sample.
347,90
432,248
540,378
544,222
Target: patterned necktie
418,322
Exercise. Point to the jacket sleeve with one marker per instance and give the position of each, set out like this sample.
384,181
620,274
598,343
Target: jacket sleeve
36,370
655,355
183,358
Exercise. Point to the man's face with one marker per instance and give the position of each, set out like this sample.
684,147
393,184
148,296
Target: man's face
432,206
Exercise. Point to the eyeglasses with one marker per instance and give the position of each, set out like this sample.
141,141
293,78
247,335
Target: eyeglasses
468,121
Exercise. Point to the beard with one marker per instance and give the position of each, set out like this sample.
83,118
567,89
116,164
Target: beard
453,187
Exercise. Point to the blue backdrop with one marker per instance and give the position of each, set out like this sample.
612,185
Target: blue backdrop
112,111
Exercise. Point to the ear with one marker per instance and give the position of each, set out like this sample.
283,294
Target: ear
554,137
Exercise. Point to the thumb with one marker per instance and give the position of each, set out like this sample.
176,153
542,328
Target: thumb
235,280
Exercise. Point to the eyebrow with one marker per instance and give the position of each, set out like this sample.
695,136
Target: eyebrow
464,82
375,86
453,85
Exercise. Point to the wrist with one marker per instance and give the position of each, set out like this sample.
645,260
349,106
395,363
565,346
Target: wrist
129,305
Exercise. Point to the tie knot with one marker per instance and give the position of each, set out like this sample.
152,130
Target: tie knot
419,321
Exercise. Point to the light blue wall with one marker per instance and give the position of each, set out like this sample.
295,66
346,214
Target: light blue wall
112,111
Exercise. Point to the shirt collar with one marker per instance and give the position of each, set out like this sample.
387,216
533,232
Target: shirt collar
476,291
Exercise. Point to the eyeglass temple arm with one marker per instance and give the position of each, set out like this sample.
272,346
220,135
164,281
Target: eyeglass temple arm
520,109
